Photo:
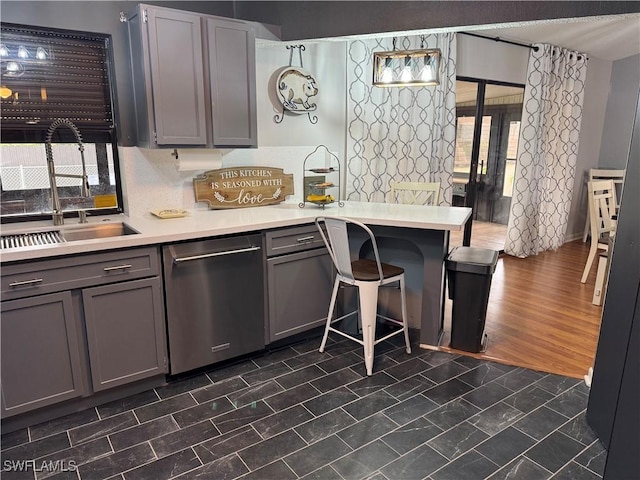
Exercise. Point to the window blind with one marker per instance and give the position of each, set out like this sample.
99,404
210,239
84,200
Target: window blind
48,74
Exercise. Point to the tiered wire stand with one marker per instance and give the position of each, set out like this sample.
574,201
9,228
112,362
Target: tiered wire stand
326,192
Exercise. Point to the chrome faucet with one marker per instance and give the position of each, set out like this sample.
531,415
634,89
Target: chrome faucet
58,218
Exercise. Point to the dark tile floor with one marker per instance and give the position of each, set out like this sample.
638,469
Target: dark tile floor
295,413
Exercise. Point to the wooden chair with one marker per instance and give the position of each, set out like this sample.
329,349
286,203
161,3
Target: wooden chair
604,174
367,275
415,193
602,210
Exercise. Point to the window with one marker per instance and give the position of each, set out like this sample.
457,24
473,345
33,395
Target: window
464,145
512,155
47,75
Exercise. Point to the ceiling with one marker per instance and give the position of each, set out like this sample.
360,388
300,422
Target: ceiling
609,38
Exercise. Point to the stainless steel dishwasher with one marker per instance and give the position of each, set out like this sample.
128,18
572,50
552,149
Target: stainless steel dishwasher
215,300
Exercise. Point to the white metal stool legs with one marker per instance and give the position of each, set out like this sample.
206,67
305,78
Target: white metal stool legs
368,293
332,304
368,310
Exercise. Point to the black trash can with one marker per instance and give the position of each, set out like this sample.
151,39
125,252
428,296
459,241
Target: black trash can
469,271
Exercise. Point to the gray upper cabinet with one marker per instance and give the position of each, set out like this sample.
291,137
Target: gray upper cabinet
232,70
168,72
193,79
40,353
177,81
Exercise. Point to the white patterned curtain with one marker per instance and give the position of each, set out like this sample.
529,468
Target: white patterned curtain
547,151
399,133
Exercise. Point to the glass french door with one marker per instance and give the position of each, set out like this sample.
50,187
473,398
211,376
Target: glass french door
488,126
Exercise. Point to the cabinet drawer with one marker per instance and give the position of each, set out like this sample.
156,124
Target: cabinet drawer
294,239
48,276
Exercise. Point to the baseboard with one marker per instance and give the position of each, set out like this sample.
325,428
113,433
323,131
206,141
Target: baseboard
573,237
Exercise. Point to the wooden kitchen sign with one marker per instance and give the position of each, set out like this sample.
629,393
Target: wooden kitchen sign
240,187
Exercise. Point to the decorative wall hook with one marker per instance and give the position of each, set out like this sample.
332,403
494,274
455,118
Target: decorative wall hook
300,49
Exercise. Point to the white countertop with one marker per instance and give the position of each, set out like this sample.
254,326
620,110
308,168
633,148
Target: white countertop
211,223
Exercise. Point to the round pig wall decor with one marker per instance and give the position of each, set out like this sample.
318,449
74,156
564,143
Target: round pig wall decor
297,90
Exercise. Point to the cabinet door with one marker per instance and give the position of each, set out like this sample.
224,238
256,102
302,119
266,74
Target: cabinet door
300,287
177,76
40,353
232,68
125,332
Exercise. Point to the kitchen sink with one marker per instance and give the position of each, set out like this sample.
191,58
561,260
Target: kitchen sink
66,234
89,232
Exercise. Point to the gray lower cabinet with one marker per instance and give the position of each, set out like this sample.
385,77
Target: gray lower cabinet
125,332
40,353
300,277
106,308
194,79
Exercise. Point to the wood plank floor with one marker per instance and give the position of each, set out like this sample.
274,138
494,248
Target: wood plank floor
483,235
540,316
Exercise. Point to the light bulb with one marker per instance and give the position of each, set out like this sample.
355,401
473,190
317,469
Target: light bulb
429,72
387,72
387,75
405,75
41,53
4,51
426,74
13,67
23,52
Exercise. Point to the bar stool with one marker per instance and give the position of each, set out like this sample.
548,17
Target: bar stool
367,275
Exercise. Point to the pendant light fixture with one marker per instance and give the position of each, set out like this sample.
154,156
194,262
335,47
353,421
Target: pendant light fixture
406,68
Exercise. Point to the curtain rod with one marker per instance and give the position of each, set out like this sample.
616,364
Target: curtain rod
498,39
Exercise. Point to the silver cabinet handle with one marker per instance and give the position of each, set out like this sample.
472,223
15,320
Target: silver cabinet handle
117,267
310,238
217,254
25,282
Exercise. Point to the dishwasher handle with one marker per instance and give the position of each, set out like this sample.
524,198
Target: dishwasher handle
216,254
